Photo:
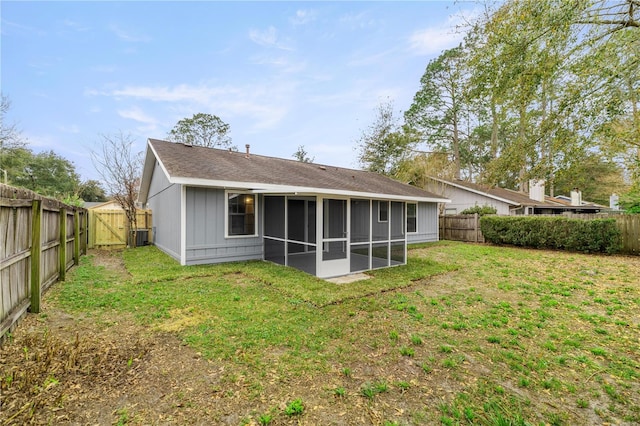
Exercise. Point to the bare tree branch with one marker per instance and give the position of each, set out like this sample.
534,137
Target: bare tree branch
120,169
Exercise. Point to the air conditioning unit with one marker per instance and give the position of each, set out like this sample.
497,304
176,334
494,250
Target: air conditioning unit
142,237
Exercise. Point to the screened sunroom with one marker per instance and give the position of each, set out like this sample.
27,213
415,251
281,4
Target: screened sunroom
334,236
215,206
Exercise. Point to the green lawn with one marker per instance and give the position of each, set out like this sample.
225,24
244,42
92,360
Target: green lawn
463,334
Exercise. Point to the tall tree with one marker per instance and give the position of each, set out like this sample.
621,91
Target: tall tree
120,168
596,177
46,173
385,143
202,130
438,109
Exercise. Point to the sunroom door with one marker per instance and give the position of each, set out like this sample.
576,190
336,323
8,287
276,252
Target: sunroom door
334,256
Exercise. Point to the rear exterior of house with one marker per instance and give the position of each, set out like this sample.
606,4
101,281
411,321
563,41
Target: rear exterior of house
213,206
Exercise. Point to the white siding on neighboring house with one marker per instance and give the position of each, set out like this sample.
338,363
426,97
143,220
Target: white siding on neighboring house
462,200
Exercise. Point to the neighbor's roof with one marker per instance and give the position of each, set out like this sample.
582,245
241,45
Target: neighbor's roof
200,166
514,198
508,196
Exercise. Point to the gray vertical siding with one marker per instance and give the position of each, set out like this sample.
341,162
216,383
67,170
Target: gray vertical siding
427,222
164,200
206,242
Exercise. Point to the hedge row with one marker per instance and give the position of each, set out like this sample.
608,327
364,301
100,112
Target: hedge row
589,236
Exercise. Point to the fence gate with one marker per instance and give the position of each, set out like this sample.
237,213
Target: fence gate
108,228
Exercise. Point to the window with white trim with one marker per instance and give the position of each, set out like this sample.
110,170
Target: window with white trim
241,214
383,211
412,217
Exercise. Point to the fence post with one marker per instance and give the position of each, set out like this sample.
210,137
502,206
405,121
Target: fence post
62,251
36,250
76,237
475,227
86,231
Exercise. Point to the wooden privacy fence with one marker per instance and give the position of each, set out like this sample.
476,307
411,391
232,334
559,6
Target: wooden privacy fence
467,228
41,239
108,228
461,227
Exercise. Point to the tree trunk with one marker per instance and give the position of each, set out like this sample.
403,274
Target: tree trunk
494,130
522,184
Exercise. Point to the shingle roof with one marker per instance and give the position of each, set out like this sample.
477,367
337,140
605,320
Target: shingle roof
514,197
517,198
185,163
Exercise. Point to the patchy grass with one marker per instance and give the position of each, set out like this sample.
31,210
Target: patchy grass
464,334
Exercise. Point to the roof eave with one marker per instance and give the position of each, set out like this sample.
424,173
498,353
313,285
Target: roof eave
475,191
151,156
263,188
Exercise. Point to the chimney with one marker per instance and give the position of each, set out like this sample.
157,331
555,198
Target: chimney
536,190
576,197
247,154
614,201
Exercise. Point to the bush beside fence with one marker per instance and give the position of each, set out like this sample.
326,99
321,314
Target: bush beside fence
588,236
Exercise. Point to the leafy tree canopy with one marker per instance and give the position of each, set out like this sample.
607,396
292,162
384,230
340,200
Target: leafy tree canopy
202,130
386,143
46,173
92,191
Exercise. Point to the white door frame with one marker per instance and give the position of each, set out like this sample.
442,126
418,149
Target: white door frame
334,267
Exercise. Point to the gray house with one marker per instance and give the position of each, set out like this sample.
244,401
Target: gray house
211,205
464,195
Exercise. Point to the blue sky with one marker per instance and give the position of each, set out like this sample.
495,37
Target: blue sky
282,74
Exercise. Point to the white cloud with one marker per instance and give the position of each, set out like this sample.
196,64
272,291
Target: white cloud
7,26
69,129
266,104
359,21
268,38
373,59
74,25
128,36
303,17
280,62
435,39
137,114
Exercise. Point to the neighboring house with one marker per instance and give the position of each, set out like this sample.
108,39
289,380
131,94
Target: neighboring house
102,205
211,205
464,195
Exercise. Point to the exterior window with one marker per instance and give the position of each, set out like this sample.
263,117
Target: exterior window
412,216
383,211
242,217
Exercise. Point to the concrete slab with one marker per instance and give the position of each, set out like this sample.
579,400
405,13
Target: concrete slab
346,279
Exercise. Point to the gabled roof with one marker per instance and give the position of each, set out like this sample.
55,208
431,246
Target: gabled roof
201,166
514,198
504,195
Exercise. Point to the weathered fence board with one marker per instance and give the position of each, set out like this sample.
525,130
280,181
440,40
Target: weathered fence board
461,227
630,228
467,228
35,233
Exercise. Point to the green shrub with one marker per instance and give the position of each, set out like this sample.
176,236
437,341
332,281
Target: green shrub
481,210
589,236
